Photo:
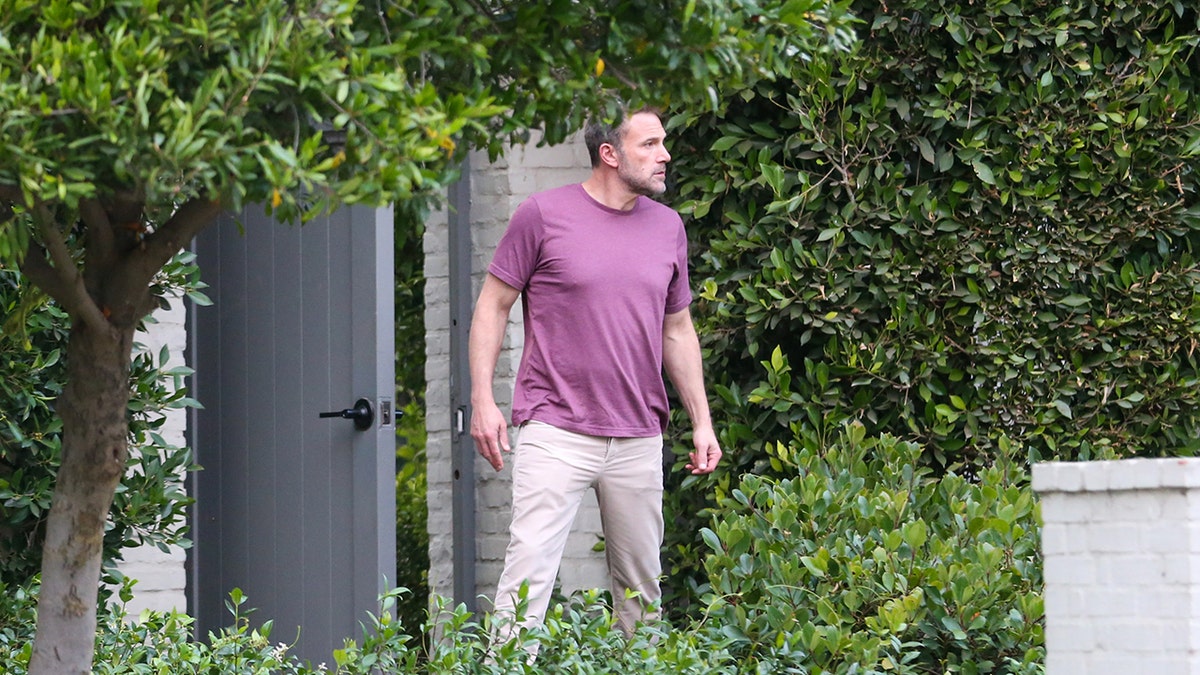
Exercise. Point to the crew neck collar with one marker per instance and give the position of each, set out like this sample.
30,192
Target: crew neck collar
637,203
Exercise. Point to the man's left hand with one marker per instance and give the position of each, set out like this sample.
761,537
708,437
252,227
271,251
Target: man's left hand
707,454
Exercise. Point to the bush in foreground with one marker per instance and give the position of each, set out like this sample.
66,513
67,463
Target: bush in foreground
864,561
861,561
579,638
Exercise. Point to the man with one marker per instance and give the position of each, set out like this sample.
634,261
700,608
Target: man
603,272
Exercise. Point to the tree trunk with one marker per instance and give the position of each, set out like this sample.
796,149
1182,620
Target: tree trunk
94,451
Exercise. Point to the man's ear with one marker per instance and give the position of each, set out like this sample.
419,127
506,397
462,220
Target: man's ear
608,155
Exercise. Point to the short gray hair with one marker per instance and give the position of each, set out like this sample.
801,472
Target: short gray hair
598,132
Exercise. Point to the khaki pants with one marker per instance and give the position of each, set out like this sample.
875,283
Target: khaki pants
552,470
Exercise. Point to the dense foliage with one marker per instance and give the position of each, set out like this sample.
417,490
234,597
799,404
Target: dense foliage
579,638
126,126
151,506
562,53
980,223
412,515
412,512
862,561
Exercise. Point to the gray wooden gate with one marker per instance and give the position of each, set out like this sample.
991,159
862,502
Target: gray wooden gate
295,509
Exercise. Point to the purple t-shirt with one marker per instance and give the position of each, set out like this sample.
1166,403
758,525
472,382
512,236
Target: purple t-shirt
596,283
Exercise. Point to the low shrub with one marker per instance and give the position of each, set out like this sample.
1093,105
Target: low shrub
17,620
578,637
856,558
864,561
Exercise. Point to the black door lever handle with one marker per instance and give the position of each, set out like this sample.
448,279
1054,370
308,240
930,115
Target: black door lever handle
361,413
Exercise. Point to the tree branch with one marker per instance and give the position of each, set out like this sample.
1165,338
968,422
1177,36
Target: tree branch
183,226
62,280
168,239
53,241
101,246
38,270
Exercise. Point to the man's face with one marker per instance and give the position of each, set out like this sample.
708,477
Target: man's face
643,157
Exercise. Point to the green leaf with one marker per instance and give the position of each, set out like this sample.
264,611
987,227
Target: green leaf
710,538
926,149
777,361
916,534
724,143
773,174
812,566
1062,408
829,233
984,172
951,624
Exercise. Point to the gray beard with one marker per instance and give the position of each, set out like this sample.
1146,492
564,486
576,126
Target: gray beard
646,188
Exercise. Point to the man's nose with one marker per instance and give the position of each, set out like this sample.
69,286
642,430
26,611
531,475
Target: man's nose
665,157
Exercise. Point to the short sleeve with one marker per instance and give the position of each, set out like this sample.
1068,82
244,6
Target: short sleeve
679,293
516,255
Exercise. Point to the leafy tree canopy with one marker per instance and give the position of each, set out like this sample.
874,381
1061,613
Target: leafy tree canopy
300,104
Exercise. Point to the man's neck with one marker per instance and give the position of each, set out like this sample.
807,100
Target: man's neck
612,194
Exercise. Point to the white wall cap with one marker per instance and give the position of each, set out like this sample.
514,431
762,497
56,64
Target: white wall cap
1116,475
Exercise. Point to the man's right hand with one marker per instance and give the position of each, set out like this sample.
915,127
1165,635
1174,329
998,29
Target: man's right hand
490,431
488,426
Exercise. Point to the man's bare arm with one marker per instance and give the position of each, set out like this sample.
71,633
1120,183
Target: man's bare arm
681,360
488,425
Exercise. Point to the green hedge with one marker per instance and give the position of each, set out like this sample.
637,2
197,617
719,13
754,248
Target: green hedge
979,223
982,222
579,638
412,512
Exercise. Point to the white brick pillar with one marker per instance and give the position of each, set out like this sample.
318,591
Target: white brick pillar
1121,546
161,576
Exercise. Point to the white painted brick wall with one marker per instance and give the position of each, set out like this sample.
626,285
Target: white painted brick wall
161,577
437,404
496,190
1121,549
